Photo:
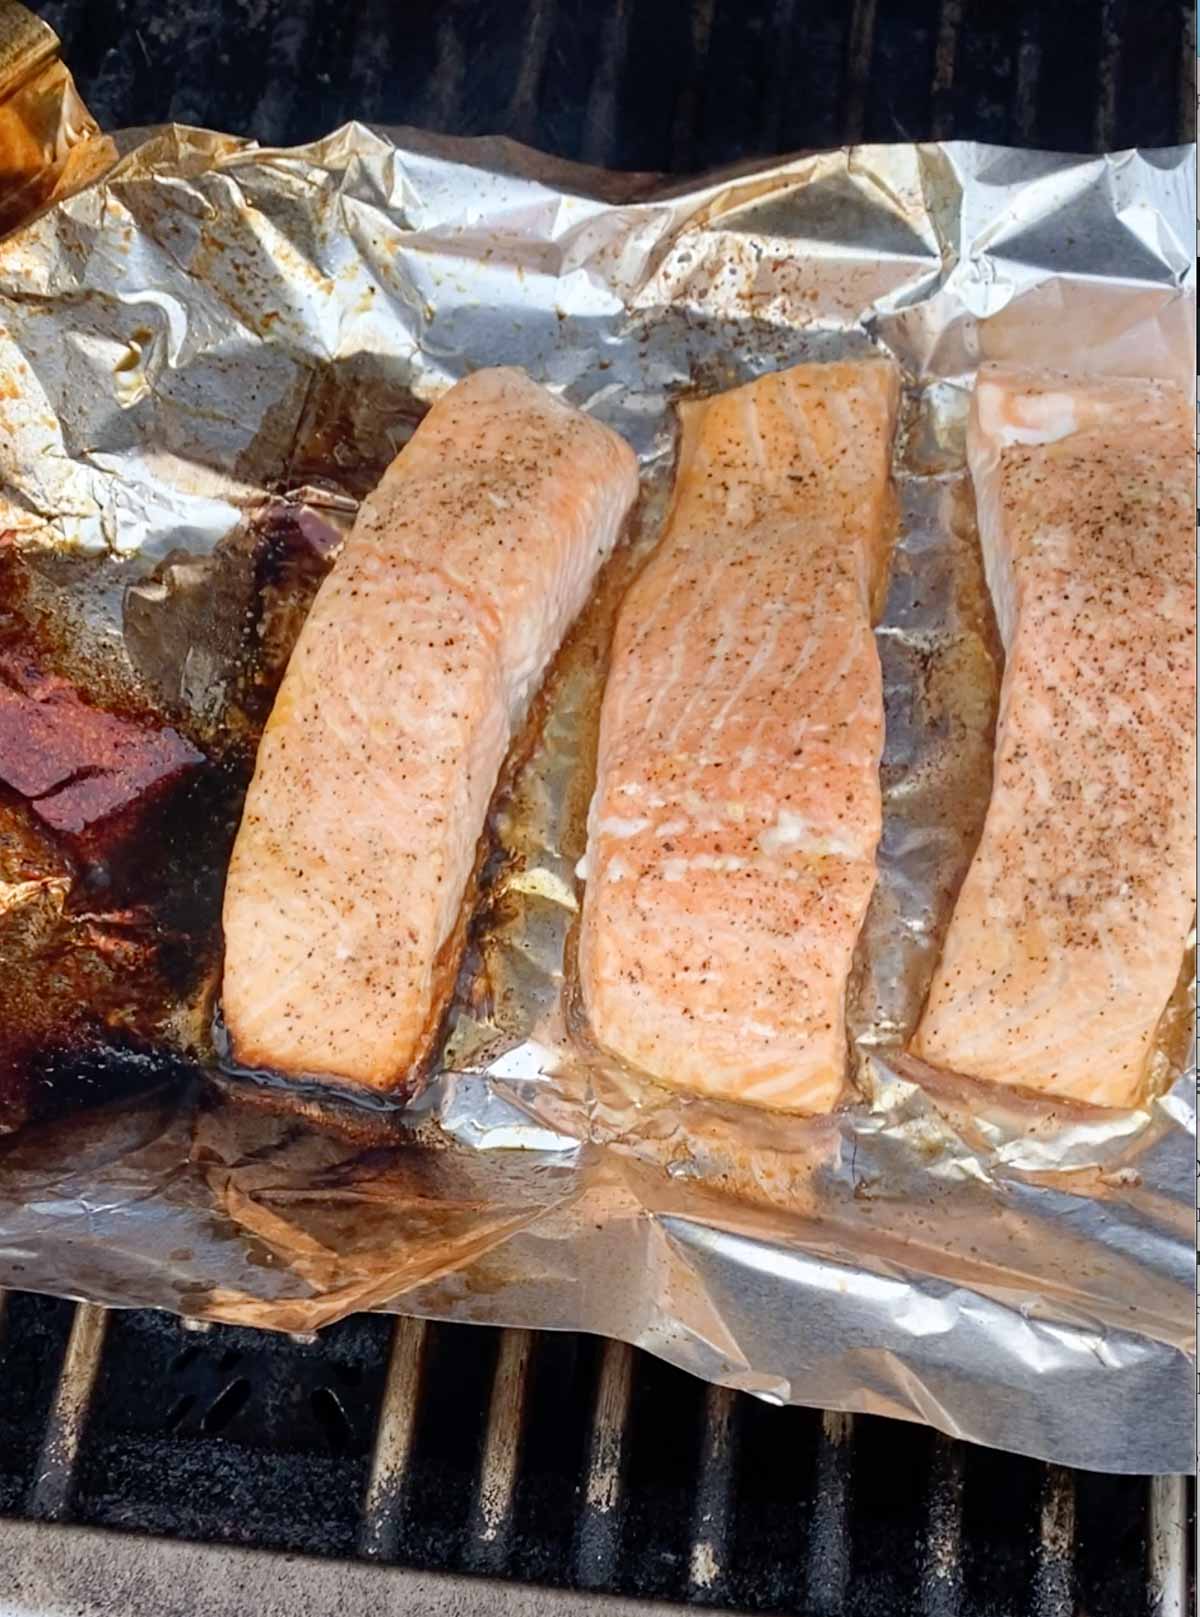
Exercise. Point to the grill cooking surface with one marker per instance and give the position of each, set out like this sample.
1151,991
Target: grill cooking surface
648,84
560,1460
556,1459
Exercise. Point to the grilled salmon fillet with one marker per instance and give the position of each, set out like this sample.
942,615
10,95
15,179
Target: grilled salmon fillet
1069,932
411,674
732,835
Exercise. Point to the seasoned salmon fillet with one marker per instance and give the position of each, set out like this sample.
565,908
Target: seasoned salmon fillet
1069,932
411,674
732,835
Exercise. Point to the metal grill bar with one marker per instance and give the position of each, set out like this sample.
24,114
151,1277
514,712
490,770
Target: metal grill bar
288,45
522,112
945,60
1187,80
1054,1579
1167,1547
50,1495
707,1563
779,79
687,107
446,83
828,1559
370,63
941,1573
1107,76
498,1468
860,45
601,127
386,1486
1029,66
598,1538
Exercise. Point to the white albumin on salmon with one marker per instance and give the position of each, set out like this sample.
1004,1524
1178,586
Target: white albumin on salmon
732,836
1069,933
412,673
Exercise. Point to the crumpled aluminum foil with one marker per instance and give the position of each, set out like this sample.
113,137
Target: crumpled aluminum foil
213,327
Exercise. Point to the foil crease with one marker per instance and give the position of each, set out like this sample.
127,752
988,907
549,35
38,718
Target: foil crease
182,332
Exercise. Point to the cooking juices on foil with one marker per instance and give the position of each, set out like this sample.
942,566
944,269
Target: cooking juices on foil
118,809
1011,1270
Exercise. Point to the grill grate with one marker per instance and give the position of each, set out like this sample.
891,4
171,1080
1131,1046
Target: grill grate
556,1460
651,84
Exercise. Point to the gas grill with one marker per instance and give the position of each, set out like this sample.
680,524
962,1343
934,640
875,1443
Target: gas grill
149,1466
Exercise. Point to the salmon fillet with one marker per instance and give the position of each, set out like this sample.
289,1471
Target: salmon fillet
732,835
1069,932
412,672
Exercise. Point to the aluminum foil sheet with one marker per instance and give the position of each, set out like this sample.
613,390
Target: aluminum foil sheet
49,142
209,355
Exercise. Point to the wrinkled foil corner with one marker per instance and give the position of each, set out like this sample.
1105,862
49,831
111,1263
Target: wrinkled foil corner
49,142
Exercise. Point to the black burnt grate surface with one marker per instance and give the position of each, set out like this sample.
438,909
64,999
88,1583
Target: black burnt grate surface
665,1424
33,1338
653,84
437,1501
546,1504
695,1495
233,1434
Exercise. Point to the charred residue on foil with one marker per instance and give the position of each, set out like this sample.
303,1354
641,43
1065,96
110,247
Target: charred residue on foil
131,699
103,936
100,874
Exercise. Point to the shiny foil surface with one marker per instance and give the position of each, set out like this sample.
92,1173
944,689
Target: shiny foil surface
214,345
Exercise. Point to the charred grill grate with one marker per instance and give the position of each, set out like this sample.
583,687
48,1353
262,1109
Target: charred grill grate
551,1460
648,84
